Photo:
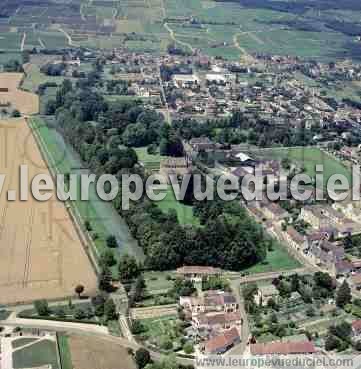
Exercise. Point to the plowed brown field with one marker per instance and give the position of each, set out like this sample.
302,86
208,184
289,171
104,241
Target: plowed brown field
41,255
25,102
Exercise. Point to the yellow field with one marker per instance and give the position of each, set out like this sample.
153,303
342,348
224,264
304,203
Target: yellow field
26,102
41,255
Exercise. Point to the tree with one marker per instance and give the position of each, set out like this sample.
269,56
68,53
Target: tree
110,310
342,330
188,348
60,312
42,307
343,296
112,241
107,258
142,357
105,279
79,314
128,268
16,114
98,304
50,107
79,289
332,343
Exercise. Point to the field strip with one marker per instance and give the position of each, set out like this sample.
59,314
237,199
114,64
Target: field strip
28,248
23,42
71,209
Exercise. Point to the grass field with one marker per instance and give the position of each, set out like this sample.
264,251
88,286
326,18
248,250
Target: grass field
149,161
184,212
36,355
309,158
278,259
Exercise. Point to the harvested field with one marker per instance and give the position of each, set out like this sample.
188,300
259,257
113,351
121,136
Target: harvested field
25,102
89,352
41,255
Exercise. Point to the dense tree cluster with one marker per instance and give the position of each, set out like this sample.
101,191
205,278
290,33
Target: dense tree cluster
230,240
104,134
240,129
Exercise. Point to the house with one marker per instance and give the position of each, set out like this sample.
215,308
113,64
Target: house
210,301
326,253
294,238
185,80
220,301
356,328
216,321
201,144
221,343
314,216
283,348
175,166
342,267
275,212
265,293
197,273
193,304
216,78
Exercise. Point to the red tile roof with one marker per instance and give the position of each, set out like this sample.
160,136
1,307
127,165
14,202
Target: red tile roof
356,325
222,341
283,348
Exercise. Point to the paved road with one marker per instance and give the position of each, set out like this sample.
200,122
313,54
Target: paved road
96,331
245,332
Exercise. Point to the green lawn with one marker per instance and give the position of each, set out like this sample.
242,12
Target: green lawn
309,158
39,354
184,212
64,351
157,282
149,161
278,259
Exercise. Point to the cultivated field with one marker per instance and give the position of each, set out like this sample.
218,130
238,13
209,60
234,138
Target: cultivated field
25,102
88,352
41,255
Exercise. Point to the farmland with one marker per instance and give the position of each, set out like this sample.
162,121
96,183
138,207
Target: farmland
41,253
25,102
87,352
218,28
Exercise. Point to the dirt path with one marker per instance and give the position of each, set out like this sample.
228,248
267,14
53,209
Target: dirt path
41,43
173,37
22,46
70,41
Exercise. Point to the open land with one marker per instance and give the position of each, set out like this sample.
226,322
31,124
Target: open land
40,251
25,102
88,352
